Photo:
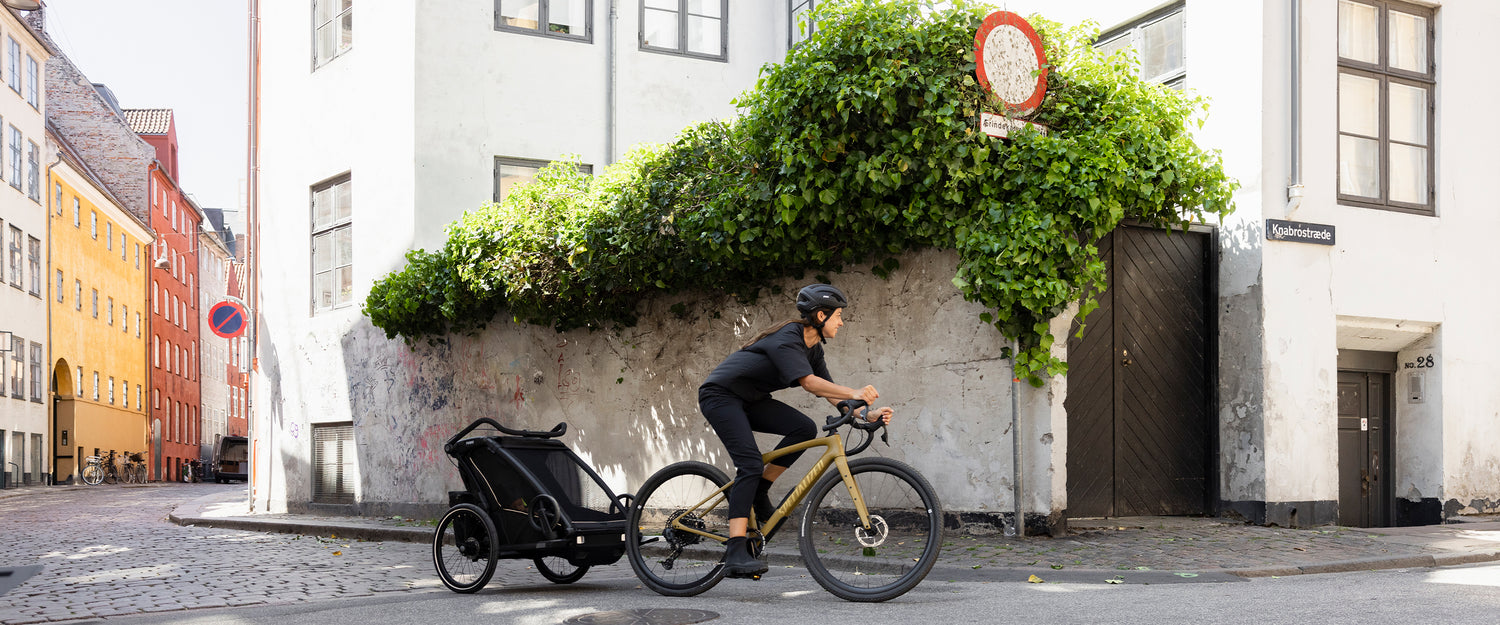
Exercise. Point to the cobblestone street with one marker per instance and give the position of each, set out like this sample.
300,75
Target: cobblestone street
109,550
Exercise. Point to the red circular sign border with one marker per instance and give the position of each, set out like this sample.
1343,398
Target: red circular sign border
243,314
1007,18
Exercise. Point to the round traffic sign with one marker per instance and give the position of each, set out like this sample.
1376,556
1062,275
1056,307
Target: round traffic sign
227,319
1010,62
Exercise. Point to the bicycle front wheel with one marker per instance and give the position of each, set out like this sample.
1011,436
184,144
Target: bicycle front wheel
667,559
127,476
140,473
890,558
92,475
111,476
465,548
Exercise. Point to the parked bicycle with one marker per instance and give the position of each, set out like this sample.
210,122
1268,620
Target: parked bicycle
873,539
192,471
135,468
92,473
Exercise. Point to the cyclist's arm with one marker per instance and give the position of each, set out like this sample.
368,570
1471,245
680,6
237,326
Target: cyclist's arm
835,393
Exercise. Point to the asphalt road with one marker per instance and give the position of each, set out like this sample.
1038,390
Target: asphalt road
109,555
1455,595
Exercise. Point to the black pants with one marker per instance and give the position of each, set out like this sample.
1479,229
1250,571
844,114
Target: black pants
735,420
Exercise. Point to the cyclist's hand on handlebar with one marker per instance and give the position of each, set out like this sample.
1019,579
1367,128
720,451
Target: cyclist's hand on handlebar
868,394
882,415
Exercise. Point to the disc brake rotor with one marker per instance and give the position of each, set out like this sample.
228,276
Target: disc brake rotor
875,536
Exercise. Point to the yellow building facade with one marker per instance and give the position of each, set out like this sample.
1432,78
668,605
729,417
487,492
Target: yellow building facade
100,259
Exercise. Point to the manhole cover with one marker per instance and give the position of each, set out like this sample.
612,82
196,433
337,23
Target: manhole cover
649,616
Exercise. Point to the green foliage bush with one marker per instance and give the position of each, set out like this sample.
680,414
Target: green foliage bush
861,145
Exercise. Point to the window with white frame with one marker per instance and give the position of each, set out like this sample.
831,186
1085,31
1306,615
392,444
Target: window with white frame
96,386
110,306
14,78
15,157
801,22
332,244
77,213
15,257
1386,115
111,389
512,172
1158,41
59,286
94,225
78,300
34,263
96,302
567,19
36,372
33,172
333,29
109,235
17,367
57,197
698,28
33,91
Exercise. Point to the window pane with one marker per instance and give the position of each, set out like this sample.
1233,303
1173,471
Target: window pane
1408,35
703,35
1359,166
1408,113
660,29
568,16
670,5
1118,43
323,252
1359,32
322,208
1408,174
1359,105
323,289
345,284
327,37
706,8
800,24
346,31
1161,47
513,175
324,12
343,246
343,202
521,13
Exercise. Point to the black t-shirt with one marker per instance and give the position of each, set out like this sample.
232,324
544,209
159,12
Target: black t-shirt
771,364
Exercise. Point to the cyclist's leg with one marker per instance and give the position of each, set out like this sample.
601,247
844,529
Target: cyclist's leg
774,417
726,413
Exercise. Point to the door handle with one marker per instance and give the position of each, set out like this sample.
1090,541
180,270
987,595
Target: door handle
1125,360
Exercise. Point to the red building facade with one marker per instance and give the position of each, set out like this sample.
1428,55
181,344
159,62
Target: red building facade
175,398
175,403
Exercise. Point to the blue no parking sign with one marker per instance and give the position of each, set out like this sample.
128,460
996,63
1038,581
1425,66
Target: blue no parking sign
227,319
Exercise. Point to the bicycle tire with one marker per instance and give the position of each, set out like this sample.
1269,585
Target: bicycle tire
140,473
128,475
92,475
858,566
465,548
559,570
670,562
111,477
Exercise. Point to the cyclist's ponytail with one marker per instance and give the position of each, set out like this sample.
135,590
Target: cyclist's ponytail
771,330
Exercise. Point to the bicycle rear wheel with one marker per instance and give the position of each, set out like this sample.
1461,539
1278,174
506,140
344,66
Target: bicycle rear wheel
667,560
895,554
465,548
92,475
111,476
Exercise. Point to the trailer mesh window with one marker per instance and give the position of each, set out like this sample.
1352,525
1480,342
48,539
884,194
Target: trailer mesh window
333,462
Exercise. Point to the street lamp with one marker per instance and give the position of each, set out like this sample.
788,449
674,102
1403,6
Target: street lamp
162,262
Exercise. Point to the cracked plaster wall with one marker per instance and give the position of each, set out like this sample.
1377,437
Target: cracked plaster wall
630,398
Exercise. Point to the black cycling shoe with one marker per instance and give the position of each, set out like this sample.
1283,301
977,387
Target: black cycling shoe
738,562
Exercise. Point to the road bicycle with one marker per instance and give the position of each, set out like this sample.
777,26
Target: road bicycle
874,539
135,468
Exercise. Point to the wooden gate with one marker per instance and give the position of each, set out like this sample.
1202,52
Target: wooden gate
1140,421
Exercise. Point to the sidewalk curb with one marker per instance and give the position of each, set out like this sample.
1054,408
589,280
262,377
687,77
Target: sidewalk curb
382,534
1369,564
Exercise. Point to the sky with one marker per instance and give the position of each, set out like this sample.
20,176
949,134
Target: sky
186,55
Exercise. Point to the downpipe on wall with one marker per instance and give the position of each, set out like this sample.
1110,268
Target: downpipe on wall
1017,526
1294,182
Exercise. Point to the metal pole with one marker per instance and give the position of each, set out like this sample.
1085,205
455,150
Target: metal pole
1018,520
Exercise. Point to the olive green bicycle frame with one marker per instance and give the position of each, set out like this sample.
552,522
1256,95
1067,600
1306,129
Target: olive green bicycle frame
833,455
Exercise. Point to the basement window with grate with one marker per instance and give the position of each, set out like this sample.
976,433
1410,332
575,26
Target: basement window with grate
333,463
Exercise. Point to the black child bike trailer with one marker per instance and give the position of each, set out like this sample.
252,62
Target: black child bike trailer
526,496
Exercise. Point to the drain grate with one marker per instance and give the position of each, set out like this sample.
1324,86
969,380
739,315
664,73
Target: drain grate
648,616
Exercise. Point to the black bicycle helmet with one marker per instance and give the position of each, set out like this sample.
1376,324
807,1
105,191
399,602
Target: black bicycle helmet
815,297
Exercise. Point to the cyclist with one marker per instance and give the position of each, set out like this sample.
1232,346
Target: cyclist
736,401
